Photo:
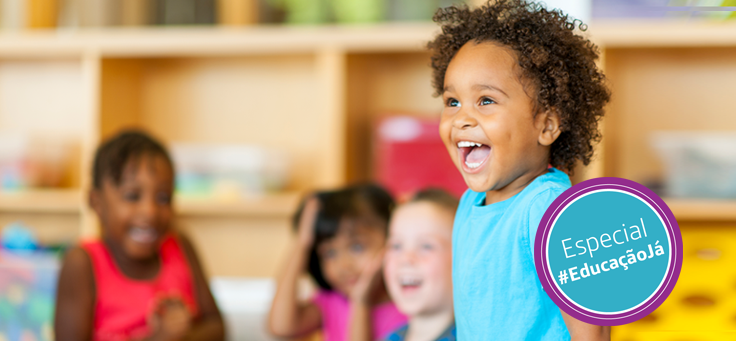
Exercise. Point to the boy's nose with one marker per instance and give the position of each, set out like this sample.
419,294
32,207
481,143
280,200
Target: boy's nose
464,119
408,258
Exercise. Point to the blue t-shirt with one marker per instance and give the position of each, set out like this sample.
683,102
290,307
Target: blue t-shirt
495,286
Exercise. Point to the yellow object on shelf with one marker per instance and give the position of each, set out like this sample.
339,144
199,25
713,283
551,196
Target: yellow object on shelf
703,304
41,13
237,12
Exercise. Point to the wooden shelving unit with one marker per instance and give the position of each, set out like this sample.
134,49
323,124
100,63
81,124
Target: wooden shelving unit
315,92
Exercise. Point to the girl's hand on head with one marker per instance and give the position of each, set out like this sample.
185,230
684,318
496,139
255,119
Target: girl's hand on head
369,280
307,222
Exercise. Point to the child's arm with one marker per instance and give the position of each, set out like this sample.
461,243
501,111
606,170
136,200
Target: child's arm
359,328
580,330
361,301
288,317
75,297
209,325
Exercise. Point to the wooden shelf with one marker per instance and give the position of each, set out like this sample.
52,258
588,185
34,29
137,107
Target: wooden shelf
266,205
70,201
702,209
42,201
662,33
90,83
387,37
257,40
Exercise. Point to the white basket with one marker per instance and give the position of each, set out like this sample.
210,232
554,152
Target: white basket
224,168
698,164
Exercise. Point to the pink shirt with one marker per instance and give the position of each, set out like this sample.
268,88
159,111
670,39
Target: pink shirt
122,304
335,309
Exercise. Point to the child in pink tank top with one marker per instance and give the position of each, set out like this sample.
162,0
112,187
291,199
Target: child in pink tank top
341,238
140,280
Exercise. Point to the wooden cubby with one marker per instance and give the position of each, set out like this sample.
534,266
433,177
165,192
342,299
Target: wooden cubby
316,93
381,84
281,87
665,77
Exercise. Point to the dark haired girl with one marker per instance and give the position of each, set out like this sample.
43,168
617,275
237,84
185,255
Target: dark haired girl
341,235
141,280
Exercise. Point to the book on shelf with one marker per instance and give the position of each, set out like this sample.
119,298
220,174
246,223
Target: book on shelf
237,12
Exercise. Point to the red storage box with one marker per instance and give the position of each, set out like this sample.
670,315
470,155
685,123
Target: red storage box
409,156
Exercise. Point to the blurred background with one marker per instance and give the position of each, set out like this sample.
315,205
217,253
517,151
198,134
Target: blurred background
261,101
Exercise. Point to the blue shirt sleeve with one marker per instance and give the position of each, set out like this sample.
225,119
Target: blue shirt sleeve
538,207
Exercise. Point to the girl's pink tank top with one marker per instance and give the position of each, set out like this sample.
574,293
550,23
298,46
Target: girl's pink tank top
124,305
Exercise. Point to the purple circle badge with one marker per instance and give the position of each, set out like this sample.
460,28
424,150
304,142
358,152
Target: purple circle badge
608,251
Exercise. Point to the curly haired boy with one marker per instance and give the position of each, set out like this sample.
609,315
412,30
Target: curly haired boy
523,98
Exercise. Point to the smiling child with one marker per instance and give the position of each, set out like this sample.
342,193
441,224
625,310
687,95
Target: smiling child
523,98
418,266
141,280
341,236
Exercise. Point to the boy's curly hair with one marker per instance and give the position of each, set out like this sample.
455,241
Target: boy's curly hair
559,63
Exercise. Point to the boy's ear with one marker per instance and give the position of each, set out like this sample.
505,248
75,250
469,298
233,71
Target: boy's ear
549,122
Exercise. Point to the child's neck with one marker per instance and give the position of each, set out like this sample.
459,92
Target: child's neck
515,186
146,269
429,327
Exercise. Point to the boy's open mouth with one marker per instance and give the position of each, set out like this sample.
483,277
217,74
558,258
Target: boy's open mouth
473,154
410,283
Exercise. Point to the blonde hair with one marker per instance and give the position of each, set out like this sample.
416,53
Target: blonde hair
436,196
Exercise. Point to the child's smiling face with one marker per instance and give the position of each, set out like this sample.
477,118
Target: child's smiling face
137,213
418,263
344,257
488,124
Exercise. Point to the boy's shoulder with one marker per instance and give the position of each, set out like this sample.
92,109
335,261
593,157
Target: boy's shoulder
553,182
542,192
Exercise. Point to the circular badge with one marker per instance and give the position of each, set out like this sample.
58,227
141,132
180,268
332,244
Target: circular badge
608,251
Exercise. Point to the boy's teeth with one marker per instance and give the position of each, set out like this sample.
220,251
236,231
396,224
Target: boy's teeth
462,144
410,281
473,165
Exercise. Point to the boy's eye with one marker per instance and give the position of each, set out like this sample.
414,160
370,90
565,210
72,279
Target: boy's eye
427,247
453,103
486,101
395,246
